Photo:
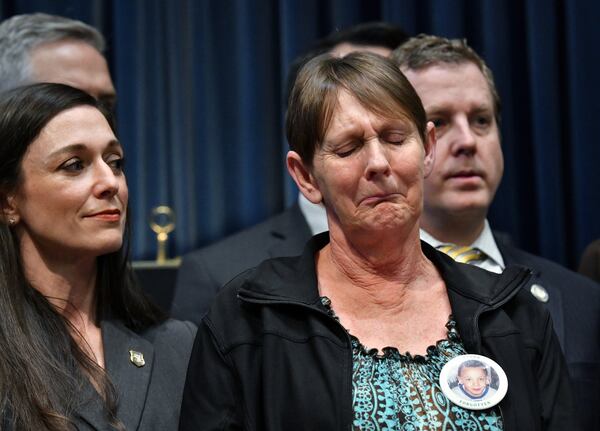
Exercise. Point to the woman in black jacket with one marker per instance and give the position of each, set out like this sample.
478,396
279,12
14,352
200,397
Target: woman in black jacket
355,333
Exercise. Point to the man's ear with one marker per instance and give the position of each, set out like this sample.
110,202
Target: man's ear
303,178
430,145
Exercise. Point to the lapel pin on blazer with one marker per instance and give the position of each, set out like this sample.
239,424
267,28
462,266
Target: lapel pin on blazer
539,293
137,358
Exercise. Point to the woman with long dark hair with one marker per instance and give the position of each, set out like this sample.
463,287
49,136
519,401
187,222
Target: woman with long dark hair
80,345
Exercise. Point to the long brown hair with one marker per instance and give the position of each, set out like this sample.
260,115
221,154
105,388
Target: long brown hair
43,369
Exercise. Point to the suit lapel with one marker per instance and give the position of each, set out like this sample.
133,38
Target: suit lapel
291,232
131,381
514,256
91,414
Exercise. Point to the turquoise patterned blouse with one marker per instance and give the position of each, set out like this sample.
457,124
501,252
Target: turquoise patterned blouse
401,392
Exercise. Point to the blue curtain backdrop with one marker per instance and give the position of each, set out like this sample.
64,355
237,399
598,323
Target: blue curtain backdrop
200,106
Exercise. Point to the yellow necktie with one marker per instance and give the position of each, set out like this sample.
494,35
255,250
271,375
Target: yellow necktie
463,254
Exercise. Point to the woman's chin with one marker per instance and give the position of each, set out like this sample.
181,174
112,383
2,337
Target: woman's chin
387,221
107,247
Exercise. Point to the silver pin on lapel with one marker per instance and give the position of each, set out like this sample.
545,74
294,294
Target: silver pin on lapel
137,358
539,293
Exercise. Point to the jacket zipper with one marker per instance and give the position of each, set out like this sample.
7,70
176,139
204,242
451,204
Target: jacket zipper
482,310
477,315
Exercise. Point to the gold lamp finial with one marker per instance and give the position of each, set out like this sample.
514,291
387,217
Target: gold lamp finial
162,222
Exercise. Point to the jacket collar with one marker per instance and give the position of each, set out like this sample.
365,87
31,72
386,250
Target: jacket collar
286,279
471,290
293,279
513,255
130,381
91,411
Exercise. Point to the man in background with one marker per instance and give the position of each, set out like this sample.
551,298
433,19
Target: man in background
47,48
460,97
203,272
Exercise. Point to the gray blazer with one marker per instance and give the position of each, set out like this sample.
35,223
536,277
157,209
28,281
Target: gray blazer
149,396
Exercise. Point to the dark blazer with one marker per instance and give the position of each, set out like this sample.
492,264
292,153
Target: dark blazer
574,304
203,272
149,396
590,261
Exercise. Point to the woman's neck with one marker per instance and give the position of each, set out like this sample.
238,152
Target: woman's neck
399,300
380,273
69,284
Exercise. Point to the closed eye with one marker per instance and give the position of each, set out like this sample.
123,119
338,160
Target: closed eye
345,153
394,138
346,149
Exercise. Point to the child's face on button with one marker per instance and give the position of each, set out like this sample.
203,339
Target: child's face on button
474,380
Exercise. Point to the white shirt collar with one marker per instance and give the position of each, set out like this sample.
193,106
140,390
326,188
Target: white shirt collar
315,215
484,242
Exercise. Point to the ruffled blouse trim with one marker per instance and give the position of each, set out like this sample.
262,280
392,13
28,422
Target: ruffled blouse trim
432,351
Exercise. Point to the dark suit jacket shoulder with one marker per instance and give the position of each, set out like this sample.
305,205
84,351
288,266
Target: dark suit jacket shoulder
571,297
574,305
150,386
590,261
203,272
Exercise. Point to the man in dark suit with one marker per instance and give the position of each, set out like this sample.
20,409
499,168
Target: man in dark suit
459,95
203,272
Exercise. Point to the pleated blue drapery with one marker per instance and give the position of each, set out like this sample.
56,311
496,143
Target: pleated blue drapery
200,109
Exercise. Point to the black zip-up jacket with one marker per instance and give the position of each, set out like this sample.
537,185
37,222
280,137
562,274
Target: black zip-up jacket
268,357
